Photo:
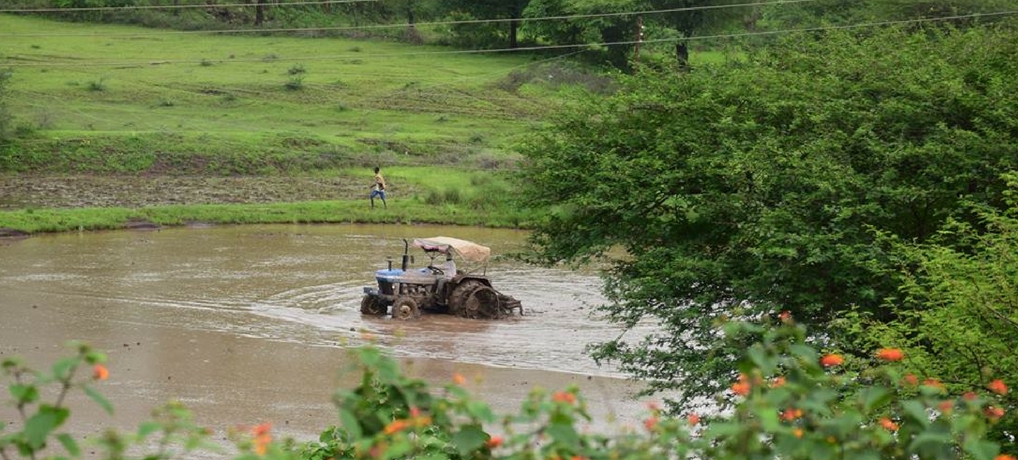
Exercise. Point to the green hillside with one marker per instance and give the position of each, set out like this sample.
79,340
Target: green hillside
109,98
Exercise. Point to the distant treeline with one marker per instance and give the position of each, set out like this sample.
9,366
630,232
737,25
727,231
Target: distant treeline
610,32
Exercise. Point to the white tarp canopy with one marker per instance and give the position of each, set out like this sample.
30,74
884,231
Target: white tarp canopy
469,251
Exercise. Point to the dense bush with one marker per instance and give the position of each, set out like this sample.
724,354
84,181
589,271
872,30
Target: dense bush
765,184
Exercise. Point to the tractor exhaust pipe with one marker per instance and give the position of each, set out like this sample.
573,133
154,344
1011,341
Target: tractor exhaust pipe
406,253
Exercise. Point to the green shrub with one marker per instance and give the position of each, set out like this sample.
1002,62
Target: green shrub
97,85
295,84
789,401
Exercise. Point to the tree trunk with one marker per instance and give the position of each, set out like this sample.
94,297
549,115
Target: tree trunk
259,13
514,26
682,54
410,13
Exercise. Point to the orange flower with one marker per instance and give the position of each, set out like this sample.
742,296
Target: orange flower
890,354
100,372
396,426
262,437
1004,457
997,386
969,396
785,316
693,419
459,379
563,397
994,413
797,432
650,423
578,457
831,360
888,424
935,384
946,407
910,380
778,382
741,387
261,429
791,414
495,441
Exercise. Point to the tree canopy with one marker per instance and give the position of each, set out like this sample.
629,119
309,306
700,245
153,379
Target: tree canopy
760,186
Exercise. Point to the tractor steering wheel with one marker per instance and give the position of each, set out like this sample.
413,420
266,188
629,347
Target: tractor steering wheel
435,270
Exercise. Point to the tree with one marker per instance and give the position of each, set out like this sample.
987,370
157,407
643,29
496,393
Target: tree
844,12
694,16
585,27
754,187
487,10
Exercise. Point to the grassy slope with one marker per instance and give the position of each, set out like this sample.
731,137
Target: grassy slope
118,100
104,82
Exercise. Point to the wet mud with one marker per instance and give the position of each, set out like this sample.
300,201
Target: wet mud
254,323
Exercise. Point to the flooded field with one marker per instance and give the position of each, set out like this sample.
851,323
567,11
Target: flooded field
252,323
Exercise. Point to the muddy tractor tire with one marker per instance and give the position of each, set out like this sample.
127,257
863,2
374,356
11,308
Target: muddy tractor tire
473,299
405,308
371,305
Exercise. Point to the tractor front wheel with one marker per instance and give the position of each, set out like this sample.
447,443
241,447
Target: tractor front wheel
405,308
371,305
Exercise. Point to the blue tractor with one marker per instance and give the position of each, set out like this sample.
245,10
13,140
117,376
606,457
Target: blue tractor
437,288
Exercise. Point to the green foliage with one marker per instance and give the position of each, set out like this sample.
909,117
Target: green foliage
957,310
585,26
790,403
38,419
97,85
739,189
296,83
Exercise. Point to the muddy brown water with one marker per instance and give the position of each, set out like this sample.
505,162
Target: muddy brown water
248,324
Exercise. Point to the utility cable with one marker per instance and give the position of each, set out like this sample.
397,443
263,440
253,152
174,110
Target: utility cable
175,7
550,47
422,24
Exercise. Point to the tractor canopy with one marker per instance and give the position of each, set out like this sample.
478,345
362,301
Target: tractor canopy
469,251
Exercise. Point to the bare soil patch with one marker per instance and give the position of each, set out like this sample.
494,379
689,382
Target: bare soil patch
21,192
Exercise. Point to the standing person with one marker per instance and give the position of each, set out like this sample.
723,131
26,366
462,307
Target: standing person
378,189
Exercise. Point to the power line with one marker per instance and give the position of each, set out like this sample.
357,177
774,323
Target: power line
175,7
538,48
419,24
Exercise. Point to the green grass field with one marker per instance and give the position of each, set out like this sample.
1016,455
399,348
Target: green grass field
125,103
108,83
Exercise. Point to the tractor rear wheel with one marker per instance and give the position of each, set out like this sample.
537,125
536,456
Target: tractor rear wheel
460,293
473,299
405,308
371,305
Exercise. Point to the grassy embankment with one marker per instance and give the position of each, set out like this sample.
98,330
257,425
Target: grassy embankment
99,100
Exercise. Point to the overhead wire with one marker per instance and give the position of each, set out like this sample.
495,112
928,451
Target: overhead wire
173,7
420,24
538,48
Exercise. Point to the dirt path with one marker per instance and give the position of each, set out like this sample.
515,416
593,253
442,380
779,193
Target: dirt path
19,192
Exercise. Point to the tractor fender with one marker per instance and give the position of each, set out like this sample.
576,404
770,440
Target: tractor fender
461,278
